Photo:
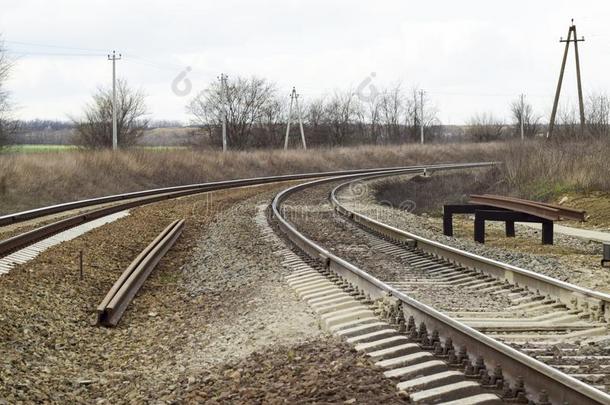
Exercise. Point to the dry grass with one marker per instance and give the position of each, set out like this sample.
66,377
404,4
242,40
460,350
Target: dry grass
537,170
429,194
34,180
543,170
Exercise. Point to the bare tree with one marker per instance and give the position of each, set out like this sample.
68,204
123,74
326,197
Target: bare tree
248,103
256,114
341,113
392,110
7,124
271,131
531,121
485,127
95,129
414,118
568,123
371,112
598,114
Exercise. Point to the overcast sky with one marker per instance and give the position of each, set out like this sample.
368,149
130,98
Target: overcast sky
470,56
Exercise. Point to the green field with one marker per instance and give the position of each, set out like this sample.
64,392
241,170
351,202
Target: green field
63,148
36,148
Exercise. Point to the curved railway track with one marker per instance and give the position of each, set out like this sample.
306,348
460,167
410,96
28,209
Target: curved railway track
121,202
557,322
481,343
492,351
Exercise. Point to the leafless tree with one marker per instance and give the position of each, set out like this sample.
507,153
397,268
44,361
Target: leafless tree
485,127
314,115
95,129
392,110
568,123
341,113
247,103
414,118
531,121
371,115
256,115
7,124
597,108
274,116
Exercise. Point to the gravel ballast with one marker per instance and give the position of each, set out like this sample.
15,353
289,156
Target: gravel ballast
312,214
215,322
570,259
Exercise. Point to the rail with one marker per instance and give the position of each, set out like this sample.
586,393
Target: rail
114,304
543,210
537,375
23,239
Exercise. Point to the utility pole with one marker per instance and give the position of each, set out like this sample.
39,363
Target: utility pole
567,41
294,98
421,111
223,87
521,116
300,121
114,58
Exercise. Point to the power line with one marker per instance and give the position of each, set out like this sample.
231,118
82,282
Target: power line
52,46
28,53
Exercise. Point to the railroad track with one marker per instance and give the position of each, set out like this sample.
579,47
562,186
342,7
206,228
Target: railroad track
554,317
97,208
566,327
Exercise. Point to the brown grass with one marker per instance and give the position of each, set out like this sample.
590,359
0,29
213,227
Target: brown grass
429,194
39,179
543,170
539,170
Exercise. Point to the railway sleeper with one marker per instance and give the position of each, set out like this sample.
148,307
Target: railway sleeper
391,350
397,345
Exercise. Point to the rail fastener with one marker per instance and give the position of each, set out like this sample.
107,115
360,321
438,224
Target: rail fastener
111,309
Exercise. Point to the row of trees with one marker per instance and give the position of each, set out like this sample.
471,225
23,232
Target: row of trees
487,127
257,114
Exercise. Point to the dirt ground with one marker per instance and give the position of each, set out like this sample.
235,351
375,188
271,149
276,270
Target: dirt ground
320,372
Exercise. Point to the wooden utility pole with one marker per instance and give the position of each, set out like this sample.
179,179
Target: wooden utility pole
223,99
294,98
567,41
421,111
115,139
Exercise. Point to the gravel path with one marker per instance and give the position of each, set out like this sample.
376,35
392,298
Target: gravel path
570,259
312,214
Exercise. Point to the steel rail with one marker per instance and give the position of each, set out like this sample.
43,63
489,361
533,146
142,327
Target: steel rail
547,211
594,303
23,239
564,212
199,187
537,375
114,304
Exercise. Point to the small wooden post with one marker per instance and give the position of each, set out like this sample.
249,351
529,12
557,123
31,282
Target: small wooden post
81,264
